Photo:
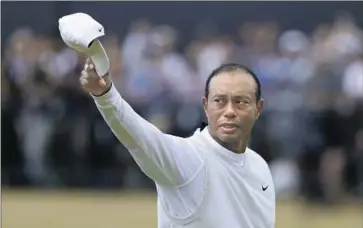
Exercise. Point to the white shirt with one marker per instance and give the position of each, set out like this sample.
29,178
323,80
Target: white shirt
200,184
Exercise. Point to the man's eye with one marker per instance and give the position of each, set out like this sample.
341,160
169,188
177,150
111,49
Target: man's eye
243,102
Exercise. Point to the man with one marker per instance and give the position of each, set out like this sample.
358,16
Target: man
209,180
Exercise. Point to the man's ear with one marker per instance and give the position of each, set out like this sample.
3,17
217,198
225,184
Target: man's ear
205,104
259,108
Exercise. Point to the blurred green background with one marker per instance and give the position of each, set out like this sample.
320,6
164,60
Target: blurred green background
59,209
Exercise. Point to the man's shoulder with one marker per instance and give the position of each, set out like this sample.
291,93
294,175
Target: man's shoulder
257,159
259,167
195,137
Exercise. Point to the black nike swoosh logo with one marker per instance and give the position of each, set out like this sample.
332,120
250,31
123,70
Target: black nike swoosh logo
264,188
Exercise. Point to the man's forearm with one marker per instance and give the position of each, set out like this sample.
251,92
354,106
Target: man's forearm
162,157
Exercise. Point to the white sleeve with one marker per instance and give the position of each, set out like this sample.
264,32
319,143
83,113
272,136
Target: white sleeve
168,160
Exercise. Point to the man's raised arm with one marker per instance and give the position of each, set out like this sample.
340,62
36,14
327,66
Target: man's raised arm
168,160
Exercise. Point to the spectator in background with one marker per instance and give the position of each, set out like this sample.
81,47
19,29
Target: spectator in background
12,157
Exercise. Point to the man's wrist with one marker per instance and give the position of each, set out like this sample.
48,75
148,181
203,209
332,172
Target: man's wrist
108,88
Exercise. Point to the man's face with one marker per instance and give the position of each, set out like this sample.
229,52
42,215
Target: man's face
231,106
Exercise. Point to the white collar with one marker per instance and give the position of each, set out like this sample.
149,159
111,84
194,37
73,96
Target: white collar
222,152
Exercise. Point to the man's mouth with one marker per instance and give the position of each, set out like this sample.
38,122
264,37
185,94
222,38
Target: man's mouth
229,127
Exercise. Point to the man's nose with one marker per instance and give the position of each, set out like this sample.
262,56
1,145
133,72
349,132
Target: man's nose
229,112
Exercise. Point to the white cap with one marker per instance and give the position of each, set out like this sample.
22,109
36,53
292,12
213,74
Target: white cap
78,30
100,58
81,32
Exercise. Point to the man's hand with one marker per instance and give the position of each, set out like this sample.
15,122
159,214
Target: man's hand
92,82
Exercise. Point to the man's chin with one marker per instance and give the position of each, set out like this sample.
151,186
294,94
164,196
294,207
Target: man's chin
229,138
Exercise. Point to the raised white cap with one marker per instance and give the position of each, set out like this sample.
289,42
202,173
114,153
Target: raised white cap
81,32
78,30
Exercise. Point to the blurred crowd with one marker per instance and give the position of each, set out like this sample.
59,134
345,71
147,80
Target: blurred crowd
311,130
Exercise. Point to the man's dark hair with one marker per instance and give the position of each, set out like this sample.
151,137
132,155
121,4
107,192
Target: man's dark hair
230,67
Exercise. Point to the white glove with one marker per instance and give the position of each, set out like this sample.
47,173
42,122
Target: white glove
81,32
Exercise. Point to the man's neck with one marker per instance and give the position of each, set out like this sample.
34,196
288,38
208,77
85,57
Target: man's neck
236,147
